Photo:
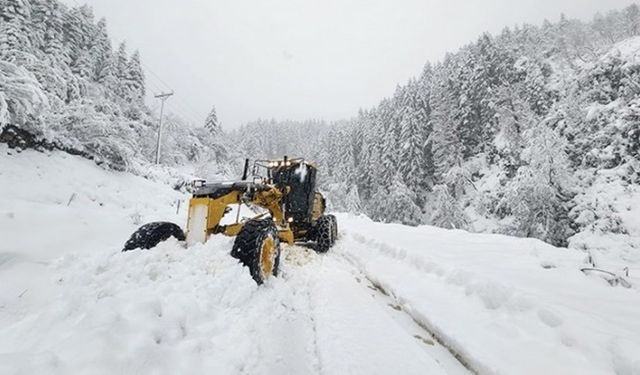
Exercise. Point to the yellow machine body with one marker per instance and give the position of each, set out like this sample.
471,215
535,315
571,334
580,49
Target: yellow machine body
205,215
272,192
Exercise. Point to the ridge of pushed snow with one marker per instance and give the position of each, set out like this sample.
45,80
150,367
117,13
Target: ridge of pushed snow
506,305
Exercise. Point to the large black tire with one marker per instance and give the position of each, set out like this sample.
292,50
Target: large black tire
324,234
334,229
257,246
150,235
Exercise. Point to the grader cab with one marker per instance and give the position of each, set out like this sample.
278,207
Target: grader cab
282,197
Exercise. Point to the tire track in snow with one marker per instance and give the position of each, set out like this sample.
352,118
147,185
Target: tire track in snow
340,296
384,294
286,336
300,259
443,343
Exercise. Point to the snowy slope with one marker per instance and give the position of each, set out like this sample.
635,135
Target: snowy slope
52,205
70,302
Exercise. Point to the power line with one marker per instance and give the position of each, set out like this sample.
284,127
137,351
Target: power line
191,109
188,117
191,113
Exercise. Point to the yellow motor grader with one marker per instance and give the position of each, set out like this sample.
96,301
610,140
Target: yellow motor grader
287,208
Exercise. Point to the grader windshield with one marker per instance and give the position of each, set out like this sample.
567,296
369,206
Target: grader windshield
296,174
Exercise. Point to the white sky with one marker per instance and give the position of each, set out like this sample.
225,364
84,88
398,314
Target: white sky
299,59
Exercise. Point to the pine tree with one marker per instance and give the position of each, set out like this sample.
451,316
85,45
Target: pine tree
395,203
445,141
77,28
49,23
539,195
444,210
104,70
121,72
83,65
353,203
369,166
487,66
134,80
15,38
211,123
389,123
413,133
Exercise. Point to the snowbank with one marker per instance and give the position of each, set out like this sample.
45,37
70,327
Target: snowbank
609,217
508,305
54,204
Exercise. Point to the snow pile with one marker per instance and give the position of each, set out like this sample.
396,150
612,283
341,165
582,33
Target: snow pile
508,305
54,204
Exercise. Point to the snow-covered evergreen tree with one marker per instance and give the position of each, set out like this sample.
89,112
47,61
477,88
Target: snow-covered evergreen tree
352,202
121,70
446,144
212,124
414,122
395,203
104,69
443,210
21,96
134,80
539,195
14,31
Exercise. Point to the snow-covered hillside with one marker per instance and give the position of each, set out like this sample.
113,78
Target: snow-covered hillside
56,204
384,300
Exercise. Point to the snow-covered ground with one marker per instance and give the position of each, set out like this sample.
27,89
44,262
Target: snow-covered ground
507,305
71,302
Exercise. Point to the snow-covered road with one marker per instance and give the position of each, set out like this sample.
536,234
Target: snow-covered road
173,310
380,302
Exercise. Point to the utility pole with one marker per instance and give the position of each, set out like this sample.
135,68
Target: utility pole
163,98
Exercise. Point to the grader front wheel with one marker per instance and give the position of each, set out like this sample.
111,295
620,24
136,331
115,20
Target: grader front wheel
150,235
257,246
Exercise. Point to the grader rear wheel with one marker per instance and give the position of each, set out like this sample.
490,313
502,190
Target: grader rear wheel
324,234
257,246
334,228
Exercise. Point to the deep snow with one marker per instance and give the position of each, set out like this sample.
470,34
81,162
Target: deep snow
70,302
508,305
